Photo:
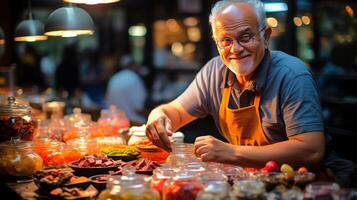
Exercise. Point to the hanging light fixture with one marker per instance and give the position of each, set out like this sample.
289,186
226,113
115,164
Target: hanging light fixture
69,21
29,30
91,2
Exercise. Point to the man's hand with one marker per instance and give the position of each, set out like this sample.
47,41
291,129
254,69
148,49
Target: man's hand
158,131
209,148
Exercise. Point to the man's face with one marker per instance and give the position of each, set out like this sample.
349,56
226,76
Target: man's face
239,22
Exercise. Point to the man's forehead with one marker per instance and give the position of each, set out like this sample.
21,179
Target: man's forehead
236,14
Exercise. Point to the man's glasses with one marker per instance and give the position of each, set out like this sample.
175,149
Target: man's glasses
243,40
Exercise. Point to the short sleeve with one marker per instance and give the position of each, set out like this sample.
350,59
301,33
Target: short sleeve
301,105
195,99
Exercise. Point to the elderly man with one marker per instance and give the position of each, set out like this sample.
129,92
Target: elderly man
265,103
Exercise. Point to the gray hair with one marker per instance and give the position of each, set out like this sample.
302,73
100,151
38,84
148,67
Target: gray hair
257,5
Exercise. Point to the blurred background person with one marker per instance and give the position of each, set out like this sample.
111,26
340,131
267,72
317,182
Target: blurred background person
127,91
28,70
92,77
67,72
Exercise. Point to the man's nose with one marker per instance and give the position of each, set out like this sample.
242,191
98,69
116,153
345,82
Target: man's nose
236,47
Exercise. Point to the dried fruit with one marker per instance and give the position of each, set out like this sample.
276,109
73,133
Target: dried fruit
285,168
272,166
302,170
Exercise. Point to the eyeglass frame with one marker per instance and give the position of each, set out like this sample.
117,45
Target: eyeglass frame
243,44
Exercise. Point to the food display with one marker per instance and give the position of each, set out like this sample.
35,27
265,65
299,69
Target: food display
123,152
160,175
94,161
78,148
149,151
18,160
16,121
248,189
51,152
184,184
129,186
93,164
74,193
50,179
141,166
182,189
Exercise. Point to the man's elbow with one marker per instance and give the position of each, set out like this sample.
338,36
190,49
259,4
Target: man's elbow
316,156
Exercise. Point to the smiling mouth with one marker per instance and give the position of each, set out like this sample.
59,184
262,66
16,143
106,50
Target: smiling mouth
238,58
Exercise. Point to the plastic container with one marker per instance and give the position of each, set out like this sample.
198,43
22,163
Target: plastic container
16,121
17,159
129,186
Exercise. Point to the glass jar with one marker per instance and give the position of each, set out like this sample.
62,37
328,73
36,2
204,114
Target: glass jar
129,186
51,152
160,175
248,189
17,159
214,190
321,190
184,185
137,134
78,125
16,121
112,120
78,148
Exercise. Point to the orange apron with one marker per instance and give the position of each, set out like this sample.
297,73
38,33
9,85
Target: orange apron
241,126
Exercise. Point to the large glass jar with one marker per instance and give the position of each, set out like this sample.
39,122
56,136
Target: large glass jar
129,186
321,190
78,148
18,160
160,175
16,121
51,152
184,185
248,190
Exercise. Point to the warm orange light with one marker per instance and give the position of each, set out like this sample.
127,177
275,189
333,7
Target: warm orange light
31,38
190,21
272,22
297,21
2,41
349,11
172,25
306,20
69,33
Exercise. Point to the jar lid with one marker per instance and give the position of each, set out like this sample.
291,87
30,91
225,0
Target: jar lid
12,108
16,144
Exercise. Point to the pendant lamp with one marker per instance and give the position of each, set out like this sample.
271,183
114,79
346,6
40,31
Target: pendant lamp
91,2
30,30
69,21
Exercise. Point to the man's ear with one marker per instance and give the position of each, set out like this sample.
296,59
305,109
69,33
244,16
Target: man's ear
267,34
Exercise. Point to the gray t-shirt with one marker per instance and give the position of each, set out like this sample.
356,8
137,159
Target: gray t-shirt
289,105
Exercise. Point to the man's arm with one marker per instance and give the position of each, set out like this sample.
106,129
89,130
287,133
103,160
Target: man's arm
305,149
165,119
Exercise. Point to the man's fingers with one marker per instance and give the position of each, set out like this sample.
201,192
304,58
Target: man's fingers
168,127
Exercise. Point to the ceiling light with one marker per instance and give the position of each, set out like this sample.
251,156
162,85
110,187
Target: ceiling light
275,7
69,21
29,30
